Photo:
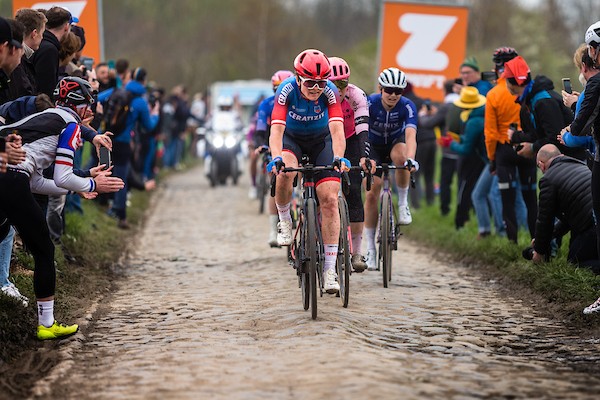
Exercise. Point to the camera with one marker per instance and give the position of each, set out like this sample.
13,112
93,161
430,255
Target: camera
489,76
152,99
528,253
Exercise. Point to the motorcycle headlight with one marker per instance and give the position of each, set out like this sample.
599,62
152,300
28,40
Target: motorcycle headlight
218,141
230,141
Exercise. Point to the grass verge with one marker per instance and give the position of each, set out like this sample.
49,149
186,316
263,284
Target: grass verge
564,288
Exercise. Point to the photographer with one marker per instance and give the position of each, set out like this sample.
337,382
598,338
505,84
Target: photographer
566,195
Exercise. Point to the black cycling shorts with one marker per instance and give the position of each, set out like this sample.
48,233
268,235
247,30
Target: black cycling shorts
317,148
382,153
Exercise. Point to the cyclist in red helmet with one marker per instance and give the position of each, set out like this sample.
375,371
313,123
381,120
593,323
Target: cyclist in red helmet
307,119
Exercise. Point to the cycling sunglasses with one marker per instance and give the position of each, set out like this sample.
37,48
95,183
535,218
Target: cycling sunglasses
391,90
312,83
341,84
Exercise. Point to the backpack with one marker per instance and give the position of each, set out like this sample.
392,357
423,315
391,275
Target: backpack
117,110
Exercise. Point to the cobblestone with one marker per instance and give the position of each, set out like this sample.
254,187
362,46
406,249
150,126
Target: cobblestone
208,310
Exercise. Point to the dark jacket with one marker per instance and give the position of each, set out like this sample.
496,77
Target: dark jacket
588,112
543,115
45,62
22,81
566,194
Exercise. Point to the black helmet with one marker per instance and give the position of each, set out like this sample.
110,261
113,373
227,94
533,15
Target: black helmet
72,91
502,55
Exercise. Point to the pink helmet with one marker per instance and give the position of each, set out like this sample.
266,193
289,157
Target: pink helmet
339,69
312,64
280,76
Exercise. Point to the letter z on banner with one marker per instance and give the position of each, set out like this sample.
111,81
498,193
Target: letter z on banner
427,42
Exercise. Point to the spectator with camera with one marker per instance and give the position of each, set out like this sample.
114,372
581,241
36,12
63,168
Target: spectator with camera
566,196
470,75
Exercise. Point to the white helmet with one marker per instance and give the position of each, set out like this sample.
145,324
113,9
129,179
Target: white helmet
392,77
592,35
224,101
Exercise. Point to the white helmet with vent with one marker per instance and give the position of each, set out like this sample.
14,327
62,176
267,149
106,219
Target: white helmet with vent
392,77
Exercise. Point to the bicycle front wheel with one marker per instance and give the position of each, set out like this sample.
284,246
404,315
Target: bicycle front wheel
344,256
311,254
386,237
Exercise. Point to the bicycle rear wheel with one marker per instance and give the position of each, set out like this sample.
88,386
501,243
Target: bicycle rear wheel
344,257
386,237
311,253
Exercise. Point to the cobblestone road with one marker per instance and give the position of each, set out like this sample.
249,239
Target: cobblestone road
207,310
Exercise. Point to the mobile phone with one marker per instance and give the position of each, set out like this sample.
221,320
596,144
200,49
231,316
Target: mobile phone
2,144
105,157
427,103
458,81
567,85
88,62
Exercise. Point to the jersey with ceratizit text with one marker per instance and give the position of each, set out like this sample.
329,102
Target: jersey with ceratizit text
387,126
303,117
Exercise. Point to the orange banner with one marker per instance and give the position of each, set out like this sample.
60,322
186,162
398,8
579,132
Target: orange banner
427,42
85,10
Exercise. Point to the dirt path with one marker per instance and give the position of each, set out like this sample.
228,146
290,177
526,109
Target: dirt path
207,310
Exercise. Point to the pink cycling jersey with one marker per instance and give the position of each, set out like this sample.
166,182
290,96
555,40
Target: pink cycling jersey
356,111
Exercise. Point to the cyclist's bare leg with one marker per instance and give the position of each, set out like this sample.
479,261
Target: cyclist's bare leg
398,155
327,191
328,204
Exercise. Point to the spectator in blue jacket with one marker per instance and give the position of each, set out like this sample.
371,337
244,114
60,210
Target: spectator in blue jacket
139,112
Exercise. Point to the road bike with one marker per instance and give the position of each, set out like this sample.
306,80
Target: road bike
388,230
307,252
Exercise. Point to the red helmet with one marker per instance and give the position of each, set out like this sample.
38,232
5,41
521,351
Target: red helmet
339,69
312,64
280,76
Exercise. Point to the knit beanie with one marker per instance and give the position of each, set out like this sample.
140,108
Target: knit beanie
470,62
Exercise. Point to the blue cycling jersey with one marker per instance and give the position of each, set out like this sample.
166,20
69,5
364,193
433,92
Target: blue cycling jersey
386,126
265,108
303,117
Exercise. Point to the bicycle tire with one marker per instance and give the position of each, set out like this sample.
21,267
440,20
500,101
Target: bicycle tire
386,235
344,257
262,191
311,252
301,265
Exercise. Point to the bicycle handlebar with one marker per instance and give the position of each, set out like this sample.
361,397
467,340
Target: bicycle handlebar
313,168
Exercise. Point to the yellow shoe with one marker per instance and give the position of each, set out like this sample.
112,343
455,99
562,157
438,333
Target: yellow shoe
56,331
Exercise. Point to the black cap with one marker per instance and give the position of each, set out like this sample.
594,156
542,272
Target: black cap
6,34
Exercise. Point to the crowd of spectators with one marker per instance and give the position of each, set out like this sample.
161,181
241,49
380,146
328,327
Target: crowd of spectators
493,133
496,130
52,98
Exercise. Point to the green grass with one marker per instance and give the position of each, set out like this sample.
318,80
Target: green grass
568,288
